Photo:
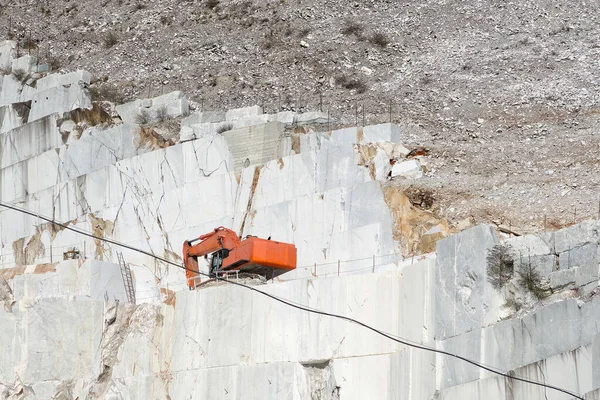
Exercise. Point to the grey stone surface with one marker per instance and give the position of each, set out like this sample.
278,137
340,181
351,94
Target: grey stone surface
555,329
463,294
579,256
315,117
202,117
243,113
593,395
6,52
381,133
175,104
596,361
255,144
577,235
564,279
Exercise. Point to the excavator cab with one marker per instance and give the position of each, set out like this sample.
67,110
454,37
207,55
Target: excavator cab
216,261
228,253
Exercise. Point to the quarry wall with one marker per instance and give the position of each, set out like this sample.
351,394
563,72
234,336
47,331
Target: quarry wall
364,251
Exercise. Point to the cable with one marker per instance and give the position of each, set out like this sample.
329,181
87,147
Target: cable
396,339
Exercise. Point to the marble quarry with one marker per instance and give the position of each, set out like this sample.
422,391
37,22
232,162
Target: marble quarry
69,328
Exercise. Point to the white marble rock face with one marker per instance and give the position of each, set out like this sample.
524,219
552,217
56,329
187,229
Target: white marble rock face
68,331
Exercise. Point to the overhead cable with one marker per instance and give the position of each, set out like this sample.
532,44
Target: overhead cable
289,303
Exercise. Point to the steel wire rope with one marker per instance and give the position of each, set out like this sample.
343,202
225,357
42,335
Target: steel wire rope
290,303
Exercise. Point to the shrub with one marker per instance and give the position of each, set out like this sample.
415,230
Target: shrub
162,114
110,39
224,128
106,93
500,265
139,6
351,84
379,39
166,20
304,32
352,28
54,63
529,278
211,4
5,71
142,118
29,44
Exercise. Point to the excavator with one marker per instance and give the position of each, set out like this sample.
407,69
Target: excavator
228,252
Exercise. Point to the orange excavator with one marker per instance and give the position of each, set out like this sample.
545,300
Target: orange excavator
230,253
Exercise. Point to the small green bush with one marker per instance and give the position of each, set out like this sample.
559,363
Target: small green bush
530,279
500,265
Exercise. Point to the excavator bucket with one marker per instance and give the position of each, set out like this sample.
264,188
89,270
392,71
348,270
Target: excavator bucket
260,256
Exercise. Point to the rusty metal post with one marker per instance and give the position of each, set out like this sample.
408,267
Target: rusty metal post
338,267
321,101
373,263
363,110
50,252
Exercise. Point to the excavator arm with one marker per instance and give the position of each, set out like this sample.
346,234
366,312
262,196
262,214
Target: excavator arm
219,238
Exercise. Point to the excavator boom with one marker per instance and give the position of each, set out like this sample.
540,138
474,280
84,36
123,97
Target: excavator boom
229,253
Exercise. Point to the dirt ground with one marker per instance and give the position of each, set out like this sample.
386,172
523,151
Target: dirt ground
506,95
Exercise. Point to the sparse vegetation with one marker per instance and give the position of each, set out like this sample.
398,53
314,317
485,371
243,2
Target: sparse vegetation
379,39
166,20
530,279
304,32
351,84
110,39
162,114
142,118
106,92
211,4
352,28
224,128
500,265
29,44
54,63
96,116
5,71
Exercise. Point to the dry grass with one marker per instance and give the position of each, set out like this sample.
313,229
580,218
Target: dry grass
150,138
105,92
142,118
96,116
224,128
